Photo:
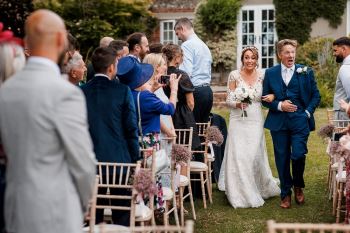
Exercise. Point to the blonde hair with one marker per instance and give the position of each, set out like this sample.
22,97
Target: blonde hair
156,60
73,63
285,42
12,59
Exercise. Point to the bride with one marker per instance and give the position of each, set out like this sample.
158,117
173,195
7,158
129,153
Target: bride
245,174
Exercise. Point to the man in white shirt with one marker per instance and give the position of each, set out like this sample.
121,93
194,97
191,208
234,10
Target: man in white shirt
138,45
341,52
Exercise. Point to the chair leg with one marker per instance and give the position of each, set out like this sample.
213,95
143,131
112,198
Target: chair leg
331,184
335,196
176,214
192,202
166,214
210,183
209,187
181,195
203,190
340,196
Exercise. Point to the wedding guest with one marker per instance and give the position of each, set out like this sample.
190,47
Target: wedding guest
105,41
121,47
138,45
12,60
112,123
43,128
70,50
75,69
183,117
245,173
197,64
156,48
341,52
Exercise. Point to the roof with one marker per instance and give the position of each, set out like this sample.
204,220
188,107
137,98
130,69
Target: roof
174,5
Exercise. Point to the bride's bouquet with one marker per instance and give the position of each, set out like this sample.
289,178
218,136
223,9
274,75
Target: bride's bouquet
244,95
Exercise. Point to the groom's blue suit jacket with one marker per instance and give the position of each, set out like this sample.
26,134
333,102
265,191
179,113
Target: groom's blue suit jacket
309,96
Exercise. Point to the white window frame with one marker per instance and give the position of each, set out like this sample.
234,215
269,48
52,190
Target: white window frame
347,18
175,40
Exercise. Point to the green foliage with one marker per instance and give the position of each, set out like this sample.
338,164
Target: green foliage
294,18
221,35
317,53
90,20
218,16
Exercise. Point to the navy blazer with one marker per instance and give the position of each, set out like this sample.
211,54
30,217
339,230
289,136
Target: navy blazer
273,84
112,120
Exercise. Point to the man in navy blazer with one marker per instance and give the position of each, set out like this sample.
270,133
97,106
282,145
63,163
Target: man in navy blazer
112,119
290,118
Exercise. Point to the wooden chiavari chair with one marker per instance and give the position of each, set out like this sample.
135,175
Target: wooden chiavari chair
273,227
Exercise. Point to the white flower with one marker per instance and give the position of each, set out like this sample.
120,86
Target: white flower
245,95
305,68
299,70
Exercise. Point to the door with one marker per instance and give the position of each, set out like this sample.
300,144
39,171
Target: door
256,26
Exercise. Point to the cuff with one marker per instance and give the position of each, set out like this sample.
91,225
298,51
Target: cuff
308,114
279,107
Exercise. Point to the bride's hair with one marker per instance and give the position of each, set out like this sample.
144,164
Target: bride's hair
252,49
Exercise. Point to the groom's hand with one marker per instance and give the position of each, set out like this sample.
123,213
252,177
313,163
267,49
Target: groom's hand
288,106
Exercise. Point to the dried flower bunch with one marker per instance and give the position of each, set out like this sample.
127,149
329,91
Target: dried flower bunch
143,182
180,153
338,150
214,135
326,131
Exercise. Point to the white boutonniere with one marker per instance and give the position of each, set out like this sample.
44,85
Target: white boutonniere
302,70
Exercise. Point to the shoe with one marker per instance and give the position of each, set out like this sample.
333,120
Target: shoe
286,202
299,195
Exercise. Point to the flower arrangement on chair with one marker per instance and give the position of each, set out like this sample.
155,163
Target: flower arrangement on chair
326,131
214,136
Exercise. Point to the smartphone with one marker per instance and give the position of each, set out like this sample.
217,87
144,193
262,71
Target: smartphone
164,79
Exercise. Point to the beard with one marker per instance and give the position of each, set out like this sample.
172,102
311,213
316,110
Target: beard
339,58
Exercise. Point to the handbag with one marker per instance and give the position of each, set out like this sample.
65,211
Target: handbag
161,159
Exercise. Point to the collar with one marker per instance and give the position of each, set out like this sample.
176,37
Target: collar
45,62
193,35
347,60
283,67
136,57
102,75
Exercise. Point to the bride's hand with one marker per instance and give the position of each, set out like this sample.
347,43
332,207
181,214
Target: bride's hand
268,98
241,105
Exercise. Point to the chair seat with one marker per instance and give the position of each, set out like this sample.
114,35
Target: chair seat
142,212
198,166
211,157
108,227
342,177
167,193
183,180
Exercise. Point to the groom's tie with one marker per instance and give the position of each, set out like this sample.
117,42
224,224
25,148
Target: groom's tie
287,76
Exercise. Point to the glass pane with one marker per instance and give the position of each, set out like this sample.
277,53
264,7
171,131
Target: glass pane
251,27
264,51
244,16
263,61
251,39
251,15
244,27
270,62
171,35
264,27
264,15
171,26
264,39
270,38
271,15
270,26
244,40
165,26
271,52
165,36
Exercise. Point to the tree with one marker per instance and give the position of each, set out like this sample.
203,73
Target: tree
90,20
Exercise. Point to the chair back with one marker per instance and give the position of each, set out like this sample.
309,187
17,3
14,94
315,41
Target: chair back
117,175
184,137
273,227
92,207
330,115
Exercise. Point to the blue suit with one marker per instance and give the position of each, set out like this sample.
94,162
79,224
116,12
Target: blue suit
290,130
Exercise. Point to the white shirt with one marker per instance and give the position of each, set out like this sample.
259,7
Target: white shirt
45,62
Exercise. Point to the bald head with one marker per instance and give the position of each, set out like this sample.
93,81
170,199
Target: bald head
46,34
104,42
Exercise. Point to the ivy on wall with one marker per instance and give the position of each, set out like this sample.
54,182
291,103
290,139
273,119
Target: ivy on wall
294,18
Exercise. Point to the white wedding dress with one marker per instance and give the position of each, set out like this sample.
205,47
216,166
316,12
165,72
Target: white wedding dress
245,174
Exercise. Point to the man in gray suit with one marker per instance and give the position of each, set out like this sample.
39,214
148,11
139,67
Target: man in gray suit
341,51
43,128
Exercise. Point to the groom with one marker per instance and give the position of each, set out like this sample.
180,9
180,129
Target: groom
290,118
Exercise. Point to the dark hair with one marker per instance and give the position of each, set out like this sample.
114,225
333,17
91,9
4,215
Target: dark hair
118,44
183,22
170,50
342,41
134,39
102,58
156,48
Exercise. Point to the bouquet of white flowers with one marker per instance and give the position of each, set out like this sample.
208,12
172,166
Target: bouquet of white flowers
244,95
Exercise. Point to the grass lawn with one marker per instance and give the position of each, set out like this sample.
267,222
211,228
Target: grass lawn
221,217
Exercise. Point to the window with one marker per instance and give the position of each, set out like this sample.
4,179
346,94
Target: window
167,33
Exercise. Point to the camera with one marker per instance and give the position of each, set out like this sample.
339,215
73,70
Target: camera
164,79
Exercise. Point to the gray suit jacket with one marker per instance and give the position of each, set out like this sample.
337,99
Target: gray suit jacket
342,89
51,165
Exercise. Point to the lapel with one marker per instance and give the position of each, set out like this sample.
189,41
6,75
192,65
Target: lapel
278,74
